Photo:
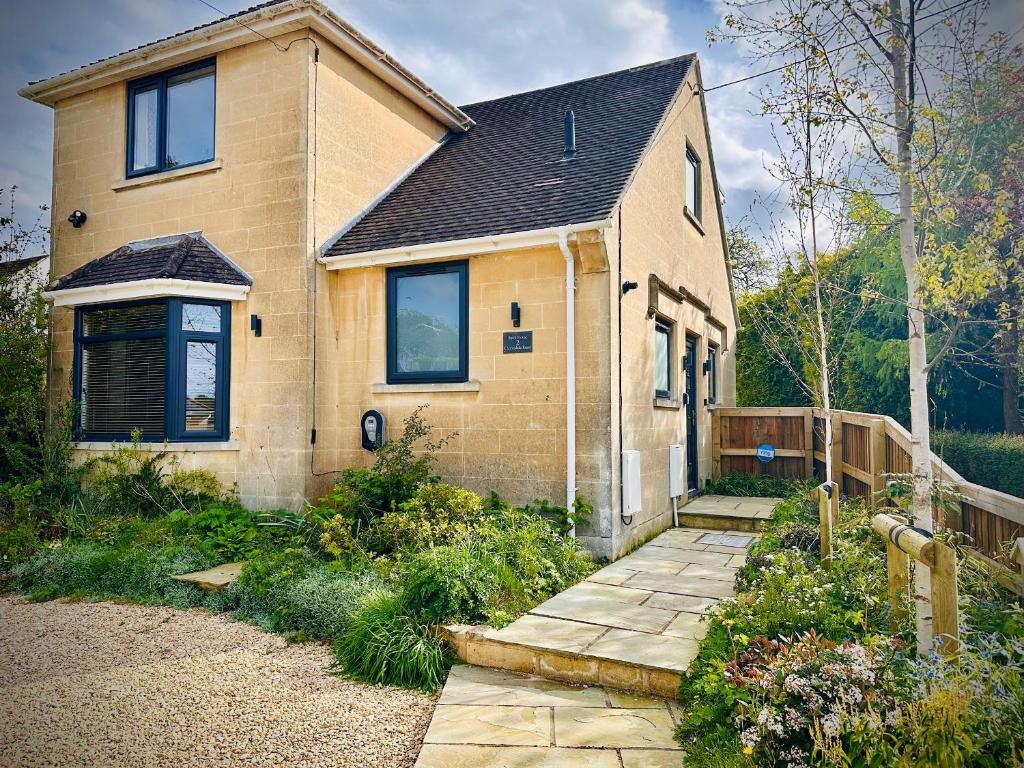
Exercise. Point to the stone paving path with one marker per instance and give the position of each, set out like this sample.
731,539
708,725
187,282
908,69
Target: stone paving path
487,718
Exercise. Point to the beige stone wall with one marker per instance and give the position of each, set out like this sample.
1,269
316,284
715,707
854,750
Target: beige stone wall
511,427
658,238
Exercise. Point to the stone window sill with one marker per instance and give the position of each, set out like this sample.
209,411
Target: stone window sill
667,402
197,446
160,178
694,220
454,386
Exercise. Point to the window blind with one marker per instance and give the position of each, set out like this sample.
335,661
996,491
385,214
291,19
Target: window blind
123,385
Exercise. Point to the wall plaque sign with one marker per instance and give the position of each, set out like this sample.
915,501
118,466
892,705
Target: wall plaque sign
516,341
765,453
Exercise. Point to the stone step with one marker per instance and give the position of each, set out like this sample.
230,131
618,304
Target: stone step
482,647
213,579
727,513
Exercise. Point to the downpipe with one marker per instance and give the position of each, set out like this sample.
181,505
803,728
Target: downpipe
570,374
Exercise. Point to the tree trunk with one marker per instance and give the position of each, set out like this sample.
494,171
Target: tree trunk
920,442
1010,361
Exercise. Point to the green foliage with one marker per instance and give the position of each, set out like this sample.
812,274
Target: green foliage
129,481
450,583
384,644
229,530
991,460
756,485
436,515
18,543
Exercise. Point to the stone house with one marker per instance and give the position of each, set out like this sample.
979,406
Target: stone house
267,227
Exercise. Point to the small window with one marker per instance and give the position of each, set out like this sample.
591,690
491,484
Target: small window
662,360
692,183
157,367
428,309
712,372
171,119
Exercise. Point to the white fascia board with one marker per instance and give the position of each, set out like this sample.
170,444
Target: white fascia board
230,33
146,289
453,249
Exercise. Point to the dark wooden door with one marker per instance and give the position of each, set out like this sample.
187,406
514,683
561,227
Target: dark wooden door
690,370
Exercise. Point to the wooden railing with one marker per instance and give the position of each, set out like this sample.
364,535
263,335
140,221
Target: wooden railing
865,448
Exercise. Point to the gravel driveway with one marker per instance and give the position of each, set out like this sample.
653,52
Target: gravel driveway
99,684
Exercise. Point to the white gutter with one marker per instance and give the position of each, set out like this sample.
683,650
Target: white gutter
146,289
453,249
570,373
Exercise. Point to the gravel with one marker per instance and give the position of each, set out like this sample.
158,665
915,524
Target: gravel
102,684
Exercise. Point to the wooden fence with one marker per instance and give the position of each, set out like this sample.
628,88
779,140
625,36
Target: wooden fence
865,447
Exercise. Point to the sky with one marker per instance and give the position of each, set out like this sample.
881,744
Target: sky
467,50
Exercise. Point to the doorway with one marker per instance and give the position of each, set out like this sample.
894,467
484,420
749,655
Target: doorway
690,405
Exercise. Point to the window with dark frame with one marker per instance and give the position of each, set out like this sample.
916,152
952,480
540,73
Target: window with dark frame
171,119
159,367
693,183
662,360
712,371
427,323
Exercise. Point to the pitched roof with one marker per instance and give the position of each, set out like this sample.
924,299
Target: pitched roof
507,174
181,257
14,266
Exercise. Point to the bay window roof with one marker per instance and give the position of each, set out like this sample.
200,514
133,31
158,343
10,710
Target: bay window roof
177,265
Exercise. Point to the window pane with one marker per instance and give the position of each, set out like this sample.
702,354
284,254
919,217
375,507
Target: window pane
428,322
134,319
712,375
123,386
662,379
691,184
144,112
200,317
200,386
190,98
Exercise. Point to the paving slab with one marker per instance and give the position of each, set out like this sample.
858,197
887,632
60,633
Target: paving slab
651,758
726,539
609,592
475,756
487,724
601,611
673,554
578,727
687,625
701,571
680,586
213,579
546,632
687,603
644,650
477,685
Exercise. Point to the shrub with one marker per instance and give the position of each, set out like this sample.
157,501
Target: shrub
756,485
449,584
229,530
129,482
385,645
437,515
195,489
363,495
18,543
992,460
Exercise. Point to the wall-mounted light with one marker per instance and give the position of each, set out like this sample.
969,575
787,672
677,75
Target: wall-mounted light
256,324
77,219
516,315
628,286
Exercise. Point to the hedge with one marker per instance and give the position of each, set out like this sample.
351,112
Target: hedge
993,460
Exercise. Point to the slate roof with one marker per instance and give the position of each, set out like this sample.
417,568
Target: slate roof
14,266
180,257
507,174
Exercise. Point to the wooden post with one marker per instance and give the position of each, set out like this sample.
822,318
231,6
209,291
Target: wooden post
898,569
825,523
716,444
837,450
877,462
945,616
809,443
1017,556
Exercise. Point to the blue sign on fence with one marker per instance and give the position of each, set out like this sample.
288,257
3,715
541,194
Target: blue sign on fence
765,453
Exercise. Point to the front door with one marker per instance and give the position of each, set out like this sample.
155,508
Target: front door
690,370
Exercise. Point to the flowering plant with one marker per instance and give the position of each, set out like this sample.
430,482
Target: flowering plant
794,689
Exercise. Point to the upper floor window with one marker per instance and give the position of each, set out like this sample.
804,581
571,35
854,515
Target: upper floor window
159,367
428,315
693,182
662,360
711,368
171,119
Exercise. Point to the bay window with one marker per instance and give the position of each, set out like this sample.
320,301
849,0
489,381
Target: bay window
158,367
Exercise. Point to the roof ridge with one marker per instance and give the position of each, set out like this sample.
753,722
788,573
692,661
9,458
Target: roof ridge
177,257
637,68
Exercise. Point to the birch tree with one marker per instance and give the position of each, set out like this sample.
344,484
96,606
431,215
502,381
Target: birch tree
890,67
